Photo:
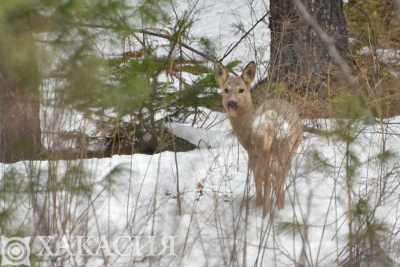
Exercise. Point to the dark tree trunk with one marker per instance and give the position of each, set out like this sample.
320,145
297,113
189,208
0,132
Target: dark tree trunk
298,55
19,88
19,122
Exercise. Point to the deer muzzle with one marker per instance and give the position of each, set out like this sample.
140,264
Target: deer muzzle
232,105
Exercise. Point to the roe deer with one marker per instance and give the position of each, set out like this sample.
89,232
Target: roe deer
270,134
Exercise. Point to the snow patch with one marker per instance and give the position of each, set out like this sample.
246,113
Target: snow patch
385,55
202,138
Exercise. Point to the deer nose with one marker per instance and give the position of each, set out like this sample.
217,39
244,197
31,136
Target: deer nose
232,104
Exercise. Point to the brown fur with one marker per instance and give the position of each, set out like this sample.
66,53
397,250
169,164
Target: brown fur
270,134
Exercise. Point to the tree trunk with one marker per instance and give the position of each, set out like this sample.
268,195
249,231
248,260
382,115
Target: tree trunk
298,56
19,122
19,87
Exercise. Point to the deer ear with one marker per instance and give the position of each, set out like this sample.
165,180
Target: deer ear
221,74
249,73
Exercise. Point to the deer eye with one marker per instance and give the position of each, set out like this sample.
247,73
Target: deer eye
226,90
241,91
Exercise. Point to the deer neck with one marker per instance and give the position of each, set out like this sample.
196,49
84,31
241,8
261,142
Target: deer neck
241,126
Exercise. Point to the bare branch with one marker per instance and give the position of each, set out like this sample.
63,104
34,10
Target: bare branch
166,36
170,37
244,36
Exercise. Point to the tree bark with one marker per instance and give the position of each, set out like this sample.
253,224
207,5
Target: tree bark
298,55
19,122
19,90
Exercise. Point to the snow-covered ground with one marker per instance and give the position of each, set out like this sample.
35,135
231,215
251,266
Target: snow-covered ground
217,225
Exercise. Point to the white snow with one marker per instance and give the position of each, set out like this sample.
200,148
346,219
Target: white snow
385,55
213,224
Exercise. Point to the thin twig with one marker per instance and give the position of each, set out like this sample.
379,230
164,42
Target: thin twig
166,36
169,37
243,37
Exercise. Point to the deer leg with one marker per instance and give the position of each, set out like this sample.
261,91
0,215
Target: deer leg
277,191
281,169
259,189
278,180
267,181
294,142
257,181
280,176
268,139
280,193
267,195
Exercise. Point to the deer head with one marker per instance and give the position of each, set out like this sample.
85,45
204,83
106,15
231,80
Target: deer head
236,89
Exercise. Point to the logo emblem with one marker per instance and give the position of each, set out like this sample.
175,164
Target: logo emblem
15,251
